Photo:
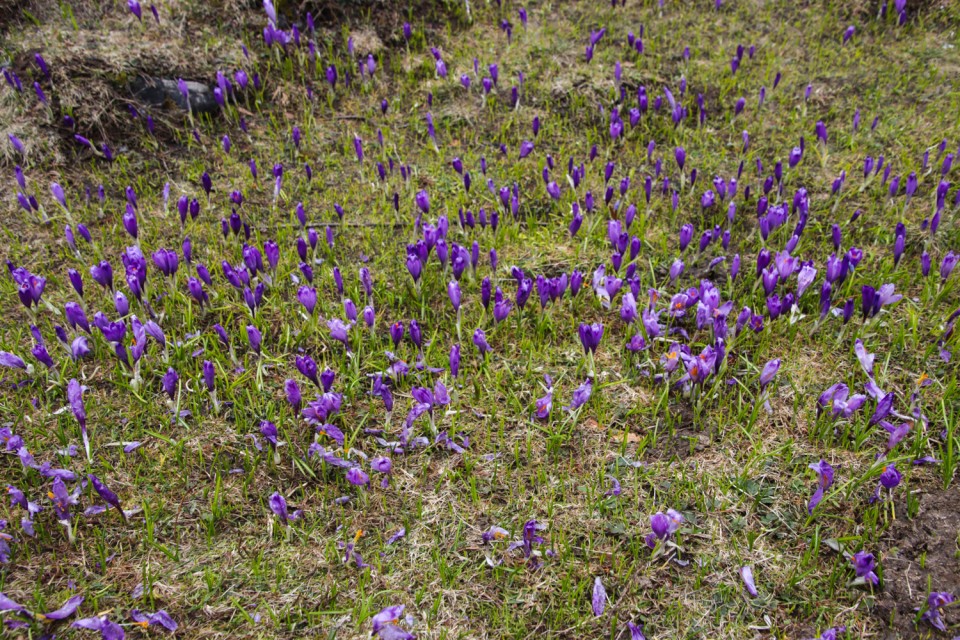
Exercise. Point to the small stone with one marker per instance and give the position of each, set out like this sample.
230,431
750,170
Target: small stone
158,91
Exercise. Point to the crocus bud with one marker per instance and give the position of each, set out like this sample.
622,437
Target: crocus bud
130,221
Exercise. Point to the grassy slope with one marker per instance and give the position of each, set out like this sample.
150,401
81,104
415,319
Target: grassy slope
738,474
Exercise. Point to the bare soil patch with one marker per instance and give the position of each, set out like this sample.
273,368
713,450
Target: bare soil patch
921,556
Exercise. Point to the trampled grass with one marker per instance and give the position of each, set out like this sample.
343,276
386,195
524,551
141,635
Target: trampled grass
491,498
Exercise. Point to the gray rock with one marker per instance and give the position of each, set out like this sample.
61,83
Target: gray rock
158,91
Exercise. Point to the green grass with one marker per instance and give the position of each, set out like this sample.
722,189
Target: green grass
203,544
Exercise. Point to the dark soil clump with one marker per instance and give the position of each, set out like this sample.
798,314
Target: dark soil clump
921,556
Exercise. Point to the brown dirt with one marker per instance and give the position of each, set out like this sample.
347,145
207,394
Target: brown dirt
921,555
10,12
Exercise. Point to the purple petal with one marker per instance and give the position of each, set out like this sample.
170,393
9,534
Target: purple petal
746,573
68,609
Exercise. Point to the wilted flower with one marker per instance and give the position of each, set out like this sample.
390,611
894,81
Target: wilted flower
161,618
545,404
935,601
106,494
385,624
824,480
108,629
68,609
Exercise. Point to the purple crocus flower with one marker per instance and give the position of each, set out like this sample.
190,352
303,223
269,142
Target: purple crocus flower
167,261
30,287
161,618
590,335
76,317
396,333
628,309
108,629
838,400
416,336
821,130
769,372
455,360
680,155
196,290
686,235
664,525
130,221
948,265
170,382
866,359
746,574
254,338
545,404
847,310
384,465
208,375
599,600
824,481
292,390
863,566
357,477
68,609
935,601
453,292
385,624
75,398
890,478
423,201
480,340
796,154
358,148
339,331
106,494
278,505
501,308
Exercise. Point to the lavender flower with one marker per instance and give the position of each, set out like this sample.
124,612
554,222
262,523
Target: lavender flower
480,340
935,602
599,600
769,372
746,574
824,481
664,526
108,629
278,505
864,565
161,618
